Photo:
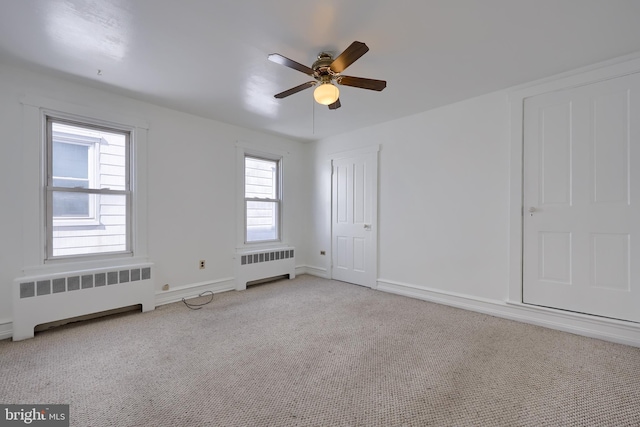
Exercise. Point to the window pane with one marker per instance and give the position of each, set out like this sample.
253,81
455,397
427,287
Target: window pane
109,234
70,205
95,155
260,178
262,221
70,161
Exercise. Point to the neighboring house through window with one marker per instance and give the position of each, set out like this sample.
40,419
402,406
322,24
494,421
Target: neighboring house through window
73,165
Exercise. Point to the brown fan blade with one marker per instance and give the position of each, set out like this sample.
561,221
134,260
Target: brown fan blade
362,83
348,57
296,89
335,105
283,60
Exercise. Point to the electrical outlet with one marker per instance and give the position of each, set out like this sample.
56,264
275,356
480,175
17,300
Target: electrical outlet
201,264
165,287
323,253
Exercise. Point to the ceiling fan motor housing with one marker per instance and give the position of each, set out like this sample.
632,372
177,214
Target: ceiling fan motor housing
321,67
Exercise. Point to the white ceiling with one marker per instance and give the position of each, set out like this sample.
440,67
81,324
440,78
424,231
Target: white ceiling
209,57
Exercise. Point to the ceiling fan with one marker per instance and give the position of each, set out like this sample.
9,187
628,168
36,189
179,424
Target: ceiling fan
326,70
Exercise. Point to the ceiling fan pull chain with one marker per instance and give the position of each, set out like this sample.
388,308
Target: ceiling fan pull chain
313,117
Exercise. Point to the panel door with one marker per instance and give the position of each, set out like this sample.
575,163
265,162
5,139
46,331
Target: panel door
582,199
354,219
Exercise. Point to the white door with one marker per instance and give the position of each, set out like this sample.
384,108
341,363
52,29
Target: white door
582,199
354,218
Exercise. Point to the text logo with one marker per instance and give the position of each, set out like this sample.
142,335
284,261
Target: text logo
34,415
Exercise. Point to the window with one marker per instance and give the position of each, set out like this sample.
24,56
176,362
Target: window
88,193
262,199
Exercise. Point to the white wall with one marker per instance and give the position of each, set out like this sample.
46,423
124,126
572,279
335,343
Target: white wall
191,182
443,197
10,201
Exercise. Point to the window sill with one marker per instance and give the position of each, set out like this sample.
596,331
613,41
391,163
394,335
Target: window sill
74,264
272,244
91,222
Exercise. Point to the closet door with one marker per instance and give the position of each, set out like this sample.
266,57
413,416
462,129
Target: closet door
354,219
582,199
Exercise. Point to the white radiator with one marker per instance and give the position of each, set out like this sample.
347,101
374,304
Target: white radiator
44,299
263,264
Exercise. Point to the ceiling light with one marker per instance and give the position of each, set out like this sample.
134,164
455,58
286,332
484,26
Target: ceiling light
326,94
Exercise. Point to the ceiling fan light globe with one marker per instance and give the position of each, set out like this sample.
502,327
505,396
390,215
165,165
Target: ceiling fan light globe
326,94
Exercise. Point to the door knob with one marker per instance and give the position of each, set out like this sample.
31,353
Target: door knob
367,227
531,210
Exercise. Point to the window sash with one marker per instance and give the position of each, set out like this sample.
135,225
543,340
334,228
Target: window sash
93,219
75,140
270,231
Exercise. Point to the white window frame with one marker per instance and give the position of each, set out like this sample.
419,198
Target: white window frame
277,200
50,221
86,141
267,153
33,181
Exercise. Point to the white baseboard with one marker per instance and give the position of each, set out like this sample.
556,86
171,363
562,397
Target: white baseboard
617,331
193,290
6,329
313,271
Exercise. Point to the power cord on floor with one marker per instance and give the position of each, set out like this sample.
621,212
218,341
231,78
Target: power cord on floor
198,306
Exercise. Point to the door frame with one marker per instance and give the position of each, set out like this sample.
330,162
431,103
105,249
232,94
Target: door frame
373,149
618,67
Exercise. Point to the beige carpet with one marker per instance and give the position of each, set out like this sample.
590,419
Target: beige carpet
312,352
